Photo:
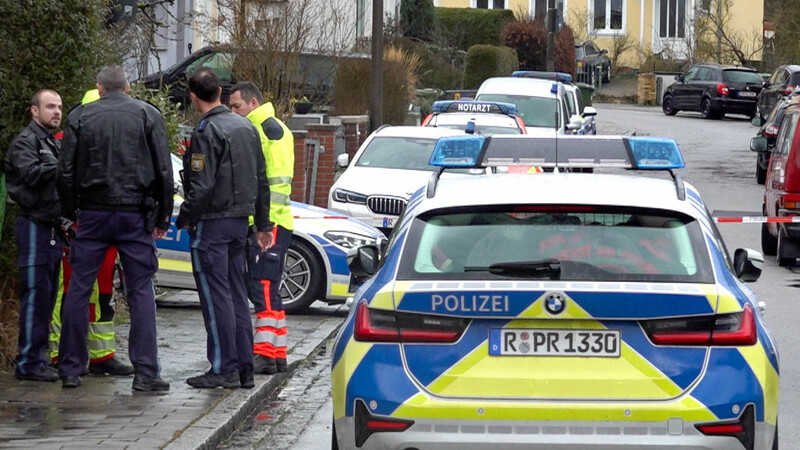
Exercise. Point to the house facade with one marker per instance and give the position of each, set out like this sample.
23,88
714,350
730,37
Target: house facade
665,27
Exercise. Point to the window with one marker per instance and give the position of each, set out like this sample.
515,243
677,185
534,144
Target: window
220,63
489,4
540,8
704,74
398,153
360,14
691,74
672,19
786,135
534,111
742,76
609,15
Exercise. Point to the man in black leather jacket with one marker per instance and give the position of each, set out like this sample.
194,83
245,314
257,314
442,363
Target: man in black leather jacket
225,182
115,170
31,167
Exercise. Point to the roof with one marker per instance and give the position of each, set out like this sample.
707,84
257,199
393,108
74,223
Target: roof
533,87
720,66
453,118
416,132
558,188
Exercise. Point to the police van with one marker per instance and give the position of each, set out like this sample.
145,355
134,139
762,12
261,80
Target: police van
557,310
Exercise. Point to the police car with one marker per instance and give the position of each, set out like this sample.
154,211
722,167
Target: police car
486,117
316,266
542,104
561,310
390,165
573,98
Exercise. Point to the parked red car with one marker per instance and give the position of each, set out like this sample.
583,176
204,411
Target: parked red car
782,194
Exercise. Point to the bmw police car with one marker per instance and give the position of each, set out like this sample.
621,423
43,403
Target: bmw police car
487,117
561,310
316,266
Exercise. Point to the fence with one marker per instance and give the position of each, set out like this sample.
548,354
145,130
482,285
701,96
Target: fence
590,74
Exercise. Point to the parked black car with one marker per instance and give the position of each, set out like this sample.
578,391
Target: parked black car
769,128
587,57
781,83
714,91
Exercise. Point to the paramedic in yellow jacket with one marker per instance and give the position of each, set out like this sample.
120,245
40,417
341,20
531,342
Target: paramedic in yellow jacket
265,271
102,335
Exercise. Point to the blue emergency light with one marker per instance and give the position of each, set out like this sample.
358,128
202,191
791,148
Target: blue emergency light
443,106
458,151
554,76
654,153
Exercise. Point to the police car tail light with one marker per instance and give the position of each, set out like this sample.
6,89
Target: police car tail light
742,429
366,424
374,325
721,330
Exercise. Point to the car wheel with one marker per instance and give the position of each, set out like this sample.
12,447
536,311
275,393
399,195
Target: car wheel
668,107
303,276
761,173
706,109
769,243
786,249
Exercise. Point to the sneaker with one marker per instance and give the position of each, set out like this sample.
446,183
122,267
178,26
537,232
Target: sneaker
111,366
212,380
264,365
246,379
281,365
145,383
42,373
70,382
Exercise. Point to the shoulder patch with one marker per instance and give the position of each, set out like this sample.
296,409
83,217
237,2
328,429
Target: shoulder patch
198,162
272,129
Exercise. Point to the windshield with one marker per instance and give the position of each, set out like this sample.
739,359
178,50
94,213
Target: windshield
590,243
484,129
571,102
741,76
535,111
398,153
579,52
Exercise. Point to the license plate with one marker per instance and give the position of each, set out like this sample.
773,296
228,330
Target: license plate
747,94
388,222
549,342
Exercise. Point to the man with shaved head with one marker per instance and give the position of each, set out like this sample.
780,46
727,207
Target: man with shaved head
31,167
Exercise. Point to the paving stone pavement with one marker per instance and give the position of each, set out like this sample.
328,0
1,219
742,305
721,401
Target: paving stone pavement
106,413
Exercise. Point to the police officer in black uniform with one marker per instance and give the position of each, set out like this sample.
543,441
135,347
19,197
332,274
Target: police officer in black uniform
115,169
31,167
225,182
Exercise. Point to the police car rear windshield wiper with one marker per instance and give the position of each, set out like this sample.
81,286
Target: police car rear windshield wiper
550,268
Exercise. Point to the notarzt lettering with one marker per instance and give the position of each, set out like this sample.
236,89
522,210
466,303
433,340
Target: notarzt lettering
471,303
473,107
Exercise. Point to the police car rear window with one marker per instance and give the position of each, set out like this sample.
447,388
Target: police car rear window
535,111
398,153
483,129
589,243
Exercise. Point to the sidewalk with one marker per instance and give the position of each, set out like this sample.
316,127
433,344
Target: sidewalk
105,413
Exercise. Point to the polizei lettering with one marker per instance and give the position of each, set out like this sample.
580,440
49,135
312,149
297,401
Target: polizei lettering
469,303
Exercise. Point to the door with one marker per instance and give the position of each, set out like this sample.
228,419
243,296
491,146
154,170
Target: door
681,89
776,90
698,86
776,171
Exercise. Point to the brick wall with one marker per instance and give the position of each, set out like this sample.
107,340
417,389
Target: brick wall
646,89
325,135
299,181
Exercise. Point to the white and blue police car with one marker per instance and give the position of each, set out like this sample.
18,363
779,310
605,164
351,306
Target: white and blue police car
486,117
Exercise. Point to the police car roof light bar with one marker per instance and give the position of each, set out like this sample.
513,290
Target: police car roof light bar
553,76
449,106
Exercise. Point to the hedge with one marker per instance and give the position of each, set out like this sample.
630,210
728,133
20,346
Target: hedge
485,61
465,27
529,39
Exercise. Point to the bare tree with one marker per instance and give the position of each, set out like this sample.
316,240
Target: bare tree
715,38
621,43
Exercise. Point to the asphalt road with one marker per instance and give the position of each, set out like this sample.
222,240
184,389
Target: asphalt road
721,166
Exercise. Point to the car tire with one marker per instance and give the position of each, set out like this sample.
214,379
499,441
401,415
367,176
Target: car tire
303,277
668,107
707,110
786,252
769,243
761,174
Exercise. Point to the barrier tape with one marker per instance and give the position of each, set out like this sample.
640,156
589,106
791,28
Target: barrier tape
758,219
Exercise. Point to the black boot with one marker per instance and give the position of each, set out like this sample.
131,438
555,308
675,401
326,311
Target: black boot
264,365
70,382
111,366
281,365
212,380
246,379
42,373
145,383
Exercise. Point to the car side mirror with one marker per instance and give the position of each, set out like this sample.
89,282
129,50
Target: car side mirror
604,52
758,144
363,263
589,111
757,121
748,263
679,78
343,160
575,123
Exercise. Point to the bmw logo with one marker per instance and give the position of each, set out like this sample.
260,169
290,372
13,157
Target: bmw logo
555,304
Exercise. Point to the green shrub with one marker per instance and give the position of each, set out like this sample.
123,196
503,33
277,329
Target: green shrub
465,27
529,39
485,61
418,19
439,68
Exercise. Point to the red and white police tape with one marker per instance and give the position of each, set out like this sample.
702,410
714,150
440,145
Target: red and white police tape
758,219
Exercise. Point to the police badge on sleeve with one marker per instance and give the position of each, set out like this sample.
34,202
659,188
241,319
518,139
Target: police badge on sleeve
198,162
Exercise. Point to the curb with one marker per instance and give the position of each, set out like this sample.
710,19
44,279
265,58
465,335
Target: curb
222,419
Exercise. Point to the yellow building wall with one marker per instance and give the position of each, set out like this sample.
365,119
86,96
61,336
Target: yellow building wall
747,17
578,11
454,3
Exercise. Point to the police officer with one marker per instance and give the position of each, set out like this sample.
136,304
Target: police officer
277,144
31,166
224,183
115,168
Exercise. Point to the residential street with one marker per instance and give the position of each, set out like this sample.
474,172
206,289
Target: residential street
718,162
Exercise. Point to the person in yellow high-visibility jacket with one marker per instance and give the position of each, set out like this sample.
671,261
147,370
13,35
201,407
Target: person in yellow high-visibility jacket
277,143
102,334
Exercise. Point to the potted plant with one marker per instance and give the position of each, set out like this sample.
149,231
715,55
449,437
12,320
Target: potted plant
302,105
